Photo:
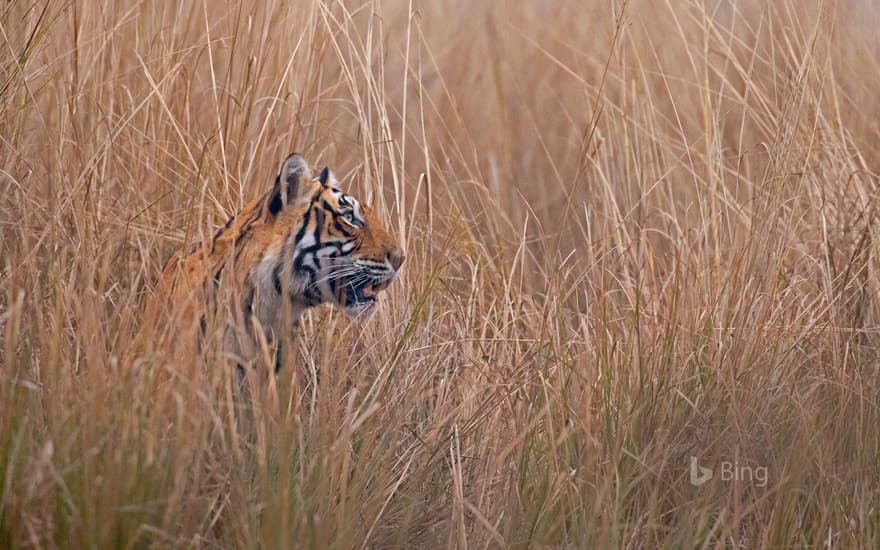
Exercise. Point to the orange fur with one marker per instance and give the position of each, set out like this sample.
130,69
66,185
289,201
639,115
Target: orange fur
301,244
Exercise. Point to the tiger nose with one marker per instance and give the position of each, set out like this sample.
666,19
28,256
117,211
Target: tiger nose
396,257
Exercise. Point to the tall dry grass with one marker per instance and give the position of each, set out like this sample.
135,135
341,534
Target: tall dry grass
636,233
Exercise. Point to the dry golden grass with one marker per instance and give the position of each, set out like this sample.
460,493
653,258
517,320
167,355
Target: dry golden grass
636,232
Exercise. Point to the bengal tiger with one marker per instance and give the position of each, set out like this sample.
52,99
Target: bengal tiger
302,243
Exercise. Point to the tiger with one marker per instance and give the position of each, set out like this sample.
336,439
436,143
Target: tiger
301,244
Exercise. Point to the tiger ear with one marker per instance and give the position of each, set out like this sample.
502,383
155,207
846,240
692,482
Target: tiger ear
288,184
327,178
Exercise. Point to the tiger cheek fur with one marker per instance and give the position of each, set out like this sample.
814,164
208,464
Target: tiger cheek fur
301,244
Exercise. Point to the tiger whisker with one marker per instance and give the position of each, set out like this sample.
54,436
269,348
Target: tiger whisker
335,275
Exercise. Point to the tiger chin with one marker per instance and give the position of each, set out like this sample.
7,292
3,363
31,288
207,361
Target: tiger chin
301,244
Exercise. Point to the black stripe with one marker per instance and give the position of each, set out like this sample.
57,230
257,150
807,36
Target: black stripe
302,230
308,269
249,222
222,229
279,357
244,234
312,249
312,299
217,274
240,246
341,228
249,304
276,277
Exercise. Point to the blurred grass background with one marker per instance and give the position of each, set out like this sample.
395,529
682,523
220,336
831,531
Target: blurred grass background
636,232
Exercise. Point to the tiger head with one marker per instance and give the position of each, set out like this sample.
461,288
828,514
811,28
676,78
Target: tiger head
339,250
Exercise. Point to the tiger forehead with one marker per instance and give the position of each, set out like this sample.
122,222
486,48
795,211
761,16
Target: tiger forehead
340,200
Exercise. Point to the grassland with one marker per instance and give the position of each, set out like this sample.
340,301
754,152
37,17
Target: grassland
637,232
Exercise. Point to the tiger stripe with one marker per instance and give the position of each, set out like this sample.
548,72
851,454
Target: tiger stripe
304,238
